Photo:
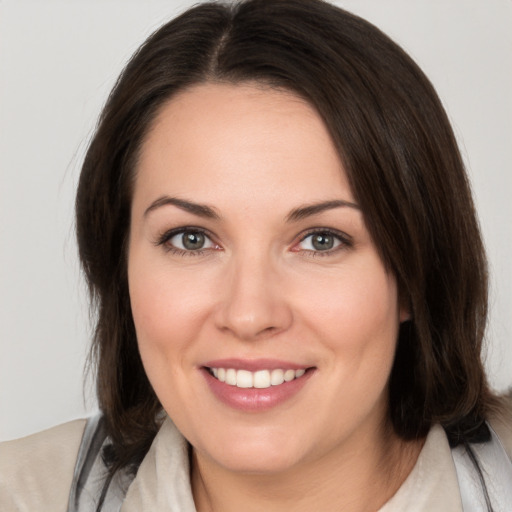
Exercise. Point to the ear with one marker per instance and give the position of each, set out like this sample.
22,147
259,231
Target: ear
404,314
404,304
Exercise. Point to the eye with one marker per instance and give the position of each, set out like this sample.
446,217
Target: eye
323,241
187,240
190,241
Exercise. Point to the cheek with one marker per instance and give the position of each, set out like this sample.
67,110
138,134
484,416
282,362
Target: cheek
356,313
168,309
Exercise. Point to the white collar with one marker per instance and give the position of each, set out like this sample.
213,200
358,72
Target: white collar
432,483
163,479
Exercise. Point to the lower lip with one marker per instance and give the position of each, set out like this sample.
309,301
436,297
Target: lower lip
255,399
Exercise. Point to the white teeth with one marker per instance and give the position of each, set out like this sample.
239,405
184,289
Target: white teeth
231,377
289,375
276,377
260,379
243,379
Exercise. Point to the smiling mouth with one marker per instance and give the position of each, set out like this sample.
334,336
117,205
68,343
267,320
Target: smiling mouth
260,379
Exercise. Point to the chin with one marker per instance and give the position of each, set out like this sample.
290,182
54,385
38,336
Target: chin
261,454
256,462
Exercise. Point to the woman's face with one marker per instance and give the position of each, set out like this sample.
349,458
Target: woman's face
249,259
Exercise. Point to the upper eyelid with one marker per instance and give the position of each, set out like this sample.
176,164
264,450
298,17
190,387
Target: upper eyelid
335,232
166,235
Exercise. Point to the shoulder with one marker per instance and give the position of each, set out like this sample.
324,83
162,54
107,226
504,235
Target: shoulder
501,421
36,471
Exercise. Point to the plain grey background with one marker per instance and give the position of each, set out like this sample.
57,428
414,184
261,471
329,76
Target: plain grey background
58,60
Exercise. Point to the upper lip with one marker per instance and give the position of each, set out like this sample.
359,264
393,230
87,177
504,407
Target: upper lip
254,365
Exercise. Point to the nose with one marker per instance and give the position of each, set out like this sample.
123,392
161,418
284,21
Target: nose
253,302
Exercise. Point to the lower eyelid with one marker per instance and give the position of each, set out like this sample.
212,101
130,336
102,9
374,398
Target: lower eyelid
183,252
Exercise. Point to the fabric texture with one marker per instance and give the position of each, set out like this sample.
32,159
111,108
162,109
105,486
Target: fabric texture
36,473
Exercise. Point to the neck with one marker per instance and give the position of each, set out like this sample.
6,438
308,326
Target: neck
338,481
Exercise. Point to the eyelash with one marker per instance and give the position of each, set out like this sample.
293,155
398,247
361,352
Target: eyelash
164,238
345,241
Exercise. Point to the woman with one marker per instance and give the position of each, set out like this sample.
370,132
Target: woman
278,233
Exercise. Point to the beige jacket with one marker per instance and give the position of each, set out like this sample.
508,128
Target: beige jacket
36,473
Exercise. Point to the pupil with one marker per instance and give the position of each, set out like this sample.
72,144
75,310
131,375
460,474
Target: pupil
323,242
193,240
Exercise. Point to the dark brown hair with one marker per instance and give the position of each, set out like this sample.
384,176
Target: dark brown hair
402,160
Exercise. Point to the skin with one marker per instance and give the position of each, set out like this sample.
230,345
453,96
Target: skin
259,289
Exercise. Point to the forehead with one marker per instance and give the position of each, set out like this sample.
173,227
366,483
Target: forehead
223,141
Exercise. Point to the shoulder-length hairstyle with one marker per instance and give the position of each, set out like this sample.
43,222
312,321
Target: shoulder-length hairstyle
400,154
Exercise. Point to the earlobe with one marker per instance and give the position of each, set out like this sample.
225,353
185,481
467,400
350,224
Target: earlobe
405,315
404,312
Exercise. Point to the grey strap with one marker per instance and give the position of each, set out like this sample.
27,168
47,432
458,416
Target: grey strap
90,478
491,488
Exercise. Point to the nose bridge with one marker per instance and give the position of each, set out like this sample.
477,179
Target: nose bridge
254,303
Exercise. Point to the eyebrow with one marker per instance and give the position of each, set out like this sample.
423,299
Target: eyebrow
208,212
316,208
200,210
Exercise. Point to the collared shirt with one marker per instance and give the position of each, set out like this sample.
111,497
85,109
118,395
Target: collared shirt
36,474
